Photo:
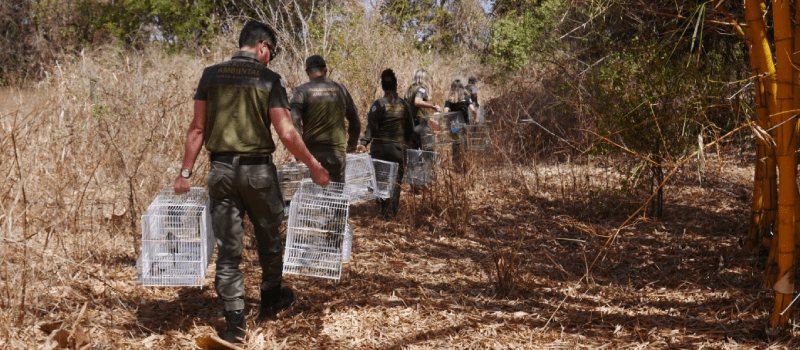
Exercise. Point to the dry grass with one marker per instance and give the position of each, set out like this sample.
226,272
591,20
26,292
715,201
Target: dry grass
495,256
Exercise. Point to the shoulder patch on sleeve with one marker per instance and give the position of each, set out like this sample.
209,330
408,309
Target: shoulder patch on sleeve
374,108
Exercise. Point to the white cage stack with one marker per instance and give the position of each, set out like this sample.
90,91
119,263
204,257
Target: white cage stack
385,175
177,239
317,231
420,167
360,177
290,176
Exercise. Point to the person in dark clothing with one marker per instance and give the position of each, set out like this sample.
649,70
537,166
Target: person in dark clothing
418,97
235,103
473,90
389,128
459,100
319,110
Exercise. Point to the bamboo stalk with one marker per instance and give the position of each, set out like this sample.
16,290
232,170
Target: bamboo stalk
763,69
787,163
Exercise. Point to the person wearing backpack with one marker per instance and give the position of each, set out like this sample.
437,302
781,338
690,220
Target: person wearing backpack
389,128
418,97
459,100
473,90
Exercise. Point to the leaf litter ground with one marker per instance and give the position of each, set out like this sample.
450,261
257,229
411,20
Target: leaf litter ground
682,281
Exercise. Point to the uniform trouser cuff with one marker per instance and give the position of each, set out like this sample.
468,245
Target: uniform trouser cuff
233,305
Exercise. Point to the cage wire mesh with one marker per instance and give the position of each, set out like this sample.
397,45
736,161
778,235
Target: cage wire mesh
385,176
317,233
360,177
420,167
442,132
290,176
347,246
475,137
177,239
428,140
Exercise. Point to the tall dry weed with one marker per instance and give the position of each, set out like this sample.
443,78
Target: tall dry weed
104,133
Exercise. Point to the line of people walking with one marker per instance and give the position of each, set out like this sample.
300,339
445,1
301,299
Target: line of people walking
235,104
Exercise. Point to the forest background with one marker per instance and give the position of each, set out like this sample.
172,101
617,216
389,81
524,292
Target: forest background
611,121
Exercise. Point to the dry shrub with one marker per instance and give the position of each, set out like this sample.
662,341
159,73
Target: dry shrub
533,120
85,151
25,49
94,143
445,205
506,264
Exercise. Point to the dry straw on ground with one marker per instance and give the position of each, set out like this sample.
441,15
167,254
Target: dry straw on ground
491,257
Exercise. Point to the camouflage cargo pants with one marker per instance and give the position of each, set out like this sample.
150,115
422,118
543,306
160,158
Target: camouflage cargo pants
235,190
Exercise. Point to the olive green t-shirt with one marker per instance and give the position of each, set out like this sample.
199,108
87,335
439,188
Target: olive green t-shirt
389,121
238,95
319,109
413,92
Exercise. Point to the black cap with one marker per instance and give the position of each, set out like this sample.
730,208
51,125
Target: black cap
473,80
315,61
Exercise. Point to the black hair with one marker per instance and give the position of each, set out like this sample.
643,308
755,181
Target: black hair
255,32
388,80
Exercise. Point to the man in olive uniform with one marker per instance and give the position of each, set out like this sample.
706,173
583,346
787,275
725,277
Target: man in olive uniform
319,110
473,90
235,103
389,128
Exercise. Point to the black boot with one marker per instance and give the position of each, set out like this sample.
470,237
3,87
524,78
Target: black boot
236,326
274,301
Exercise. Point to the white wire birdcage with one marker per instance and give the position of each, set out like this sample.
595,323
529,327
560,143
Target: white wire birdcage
177,239
428,140
385,178
290,176
481,115
420,167
445,127
360,177
476,137
441,122
473,137
316,233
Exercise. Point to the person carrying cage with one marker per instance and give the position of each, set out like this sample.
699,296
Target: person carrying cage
390,126
319,110
418,97
234,105
473,90
459,100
